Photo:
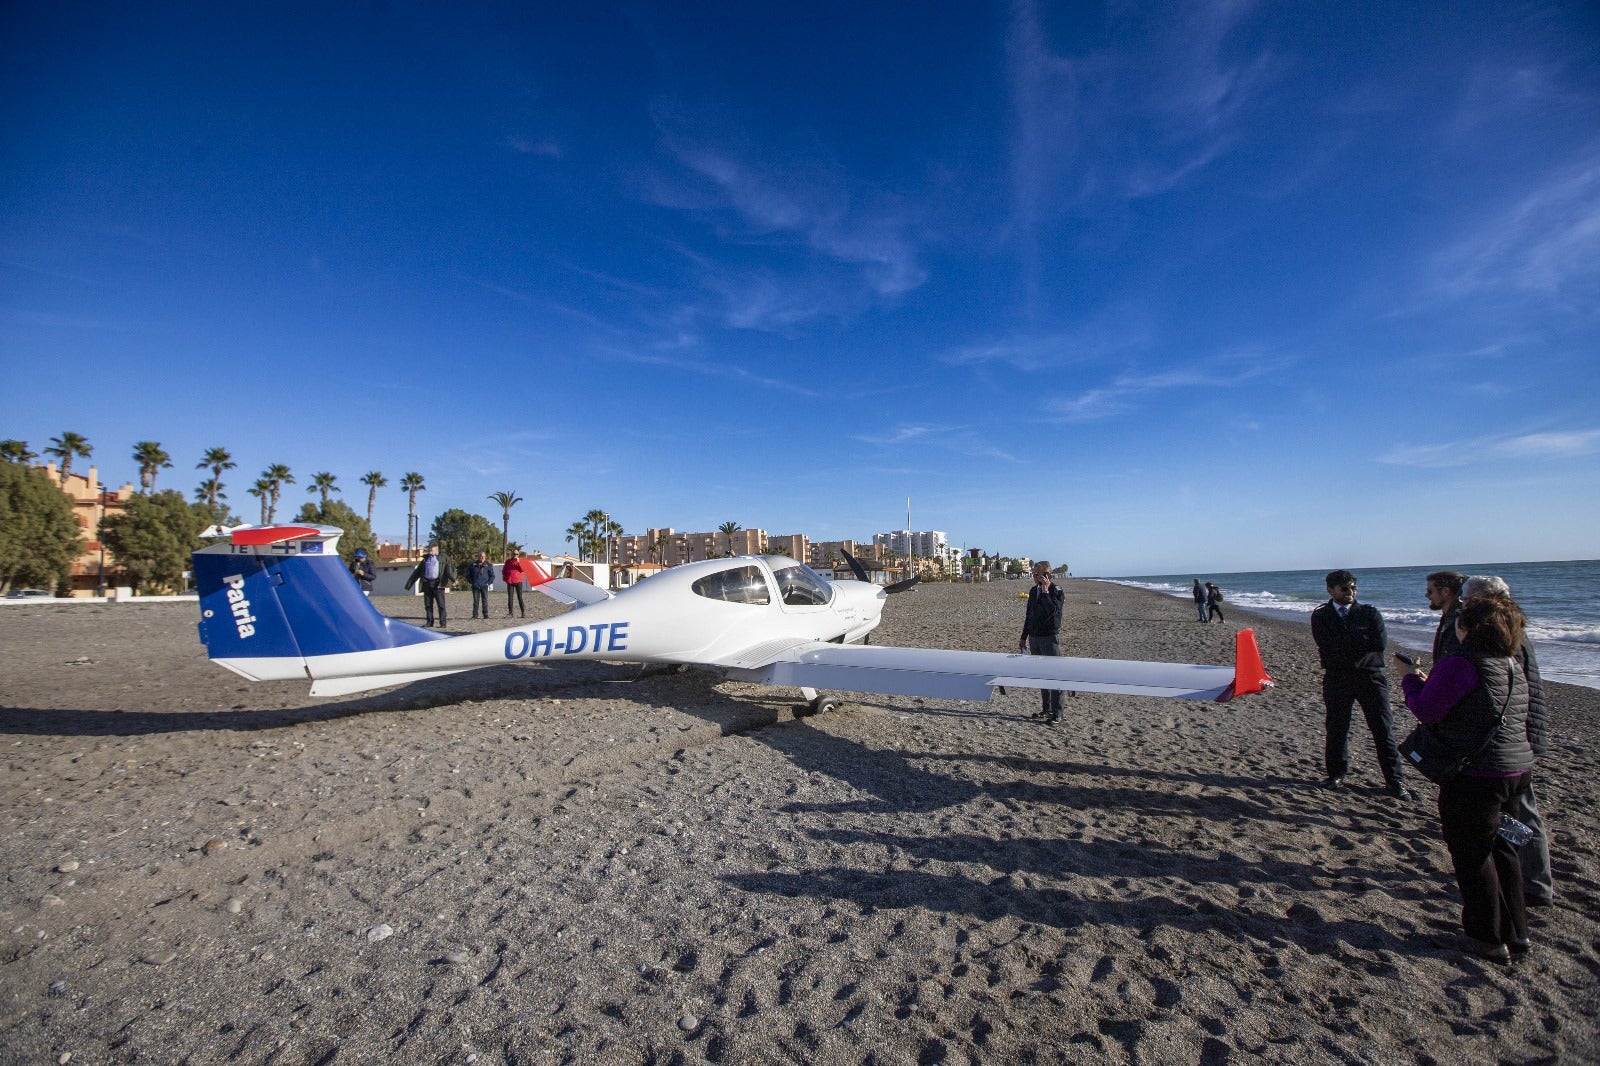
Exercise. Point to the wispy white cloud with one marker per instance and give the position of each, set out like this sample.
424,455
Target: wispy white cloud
1511,447
1126,391
1114,333
543,148
756,197
1547,242
961,440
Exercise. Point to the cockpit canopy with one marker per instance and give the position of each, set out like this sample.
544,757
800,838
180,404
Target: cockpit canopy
798,585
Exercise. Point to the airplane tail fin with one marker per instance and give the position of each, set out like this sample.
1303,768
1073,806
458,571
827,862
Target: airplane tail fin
1249,672
274,597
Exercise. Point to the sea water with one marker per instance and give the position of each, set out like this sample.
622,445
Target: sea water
1561,600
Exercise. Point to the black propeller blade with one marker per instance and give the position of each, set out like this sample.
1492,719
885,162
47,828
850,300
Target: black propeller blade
861,575
855,566
901,586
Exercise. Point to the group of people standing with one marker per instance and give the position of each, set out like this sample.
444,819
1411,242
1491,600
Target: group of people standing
1208,601
435,574
1482,703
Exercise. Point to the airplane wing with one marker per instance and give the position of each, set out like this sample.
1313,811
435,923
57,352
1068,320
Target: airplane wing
973,675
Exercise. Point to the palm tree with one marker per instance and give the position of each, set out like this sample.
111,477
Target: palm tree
16,451
276,476
374,481
323,482
728,529
611,531
218,460
261,490
411,484
150,457
66,447
580,533
658,547
506,500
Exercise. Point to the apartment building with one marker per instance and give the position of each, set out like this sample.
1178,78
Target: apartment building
95,568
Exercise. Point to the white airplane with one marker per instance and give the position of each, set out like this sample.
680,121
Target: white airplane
276,603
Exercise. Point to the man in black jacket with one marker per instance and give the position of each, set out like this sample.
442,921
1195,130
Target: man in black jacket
1350,642
436,575
1041,629
1444,595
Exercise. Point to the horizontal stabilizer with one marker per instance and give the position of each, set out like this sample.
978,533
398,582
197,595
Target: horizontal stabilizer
345,686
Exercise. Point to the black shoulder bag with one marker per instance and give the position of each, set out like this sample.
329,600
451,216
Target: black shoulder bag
1436,760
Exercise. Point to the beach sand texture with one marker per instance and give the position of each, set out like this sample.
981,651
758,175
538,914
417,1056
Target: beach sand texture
534,864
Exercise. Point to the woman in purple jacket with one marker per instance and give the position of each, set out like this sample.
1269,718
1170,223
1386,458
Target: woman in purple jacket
1476,705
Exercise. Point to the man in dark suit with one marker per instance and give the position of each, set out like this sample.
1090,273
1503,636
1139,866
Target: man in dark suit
435,574
1041,629
1350,642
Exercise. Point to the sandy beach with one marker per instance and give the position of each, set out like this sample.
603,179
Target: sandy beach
533,864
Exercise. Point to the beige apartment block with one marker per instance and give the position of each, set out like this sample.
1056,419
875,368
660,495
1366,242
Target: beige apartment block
95,568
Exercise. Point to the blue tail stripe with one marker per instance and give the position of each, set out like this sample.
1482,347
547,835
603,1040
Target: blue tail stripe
254,606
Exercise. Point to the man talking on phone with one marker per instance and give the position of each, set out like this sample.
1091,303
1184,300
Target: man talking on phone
1351,640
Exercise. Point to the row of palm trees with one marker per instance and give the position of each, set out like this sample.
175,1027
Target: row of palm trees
592,533
268,487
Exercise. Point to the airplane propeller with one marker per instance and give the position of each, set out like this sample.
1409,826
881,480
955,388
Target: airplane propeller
861,575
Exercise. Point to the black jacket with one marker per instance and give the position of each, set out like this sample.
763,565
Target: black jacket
446,576
1445,642
1044,611
1355,642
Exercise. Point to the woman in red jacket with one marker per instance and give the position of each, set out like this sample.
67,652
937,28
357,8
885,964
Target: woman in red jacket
515,581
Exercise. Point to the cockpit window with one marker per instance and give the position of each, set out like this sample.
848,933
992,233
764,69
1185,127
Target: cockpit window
738,584
800,586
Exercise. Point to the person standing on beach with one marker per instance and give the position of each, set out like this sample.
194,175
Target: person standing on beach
1200,599
1444,595
480,575
435,574
1477,702
1041,631
511,573
363,571
1213,603
1538,887
1351,640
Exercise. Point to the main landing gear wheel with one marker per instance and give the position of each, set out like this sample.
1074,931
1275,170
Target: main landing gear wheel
823,704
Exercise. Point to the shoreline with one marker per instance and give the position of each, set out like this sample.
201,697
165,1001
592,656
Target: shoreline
530,863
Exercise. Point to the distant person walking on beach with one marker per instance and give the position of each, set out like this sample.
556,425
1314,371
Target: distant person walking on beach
363,571
1213,603
435,574
1538,887
1200,599
1041,630
511,573
1477,705
1351,640
480,575
1444,595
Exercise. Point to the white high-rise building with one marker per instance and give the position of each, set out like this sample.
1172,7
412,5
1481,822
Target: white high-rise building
931,544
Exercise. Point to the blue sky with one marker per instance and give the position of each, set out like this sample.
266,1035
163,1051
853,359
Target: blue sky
1238,286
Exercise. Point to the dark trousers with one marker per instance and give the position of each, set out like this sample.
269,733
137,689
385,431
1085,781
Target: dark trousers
1214,610
1535,854
480,596
515,591
1341,689
1049,698
432,595
1488,871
